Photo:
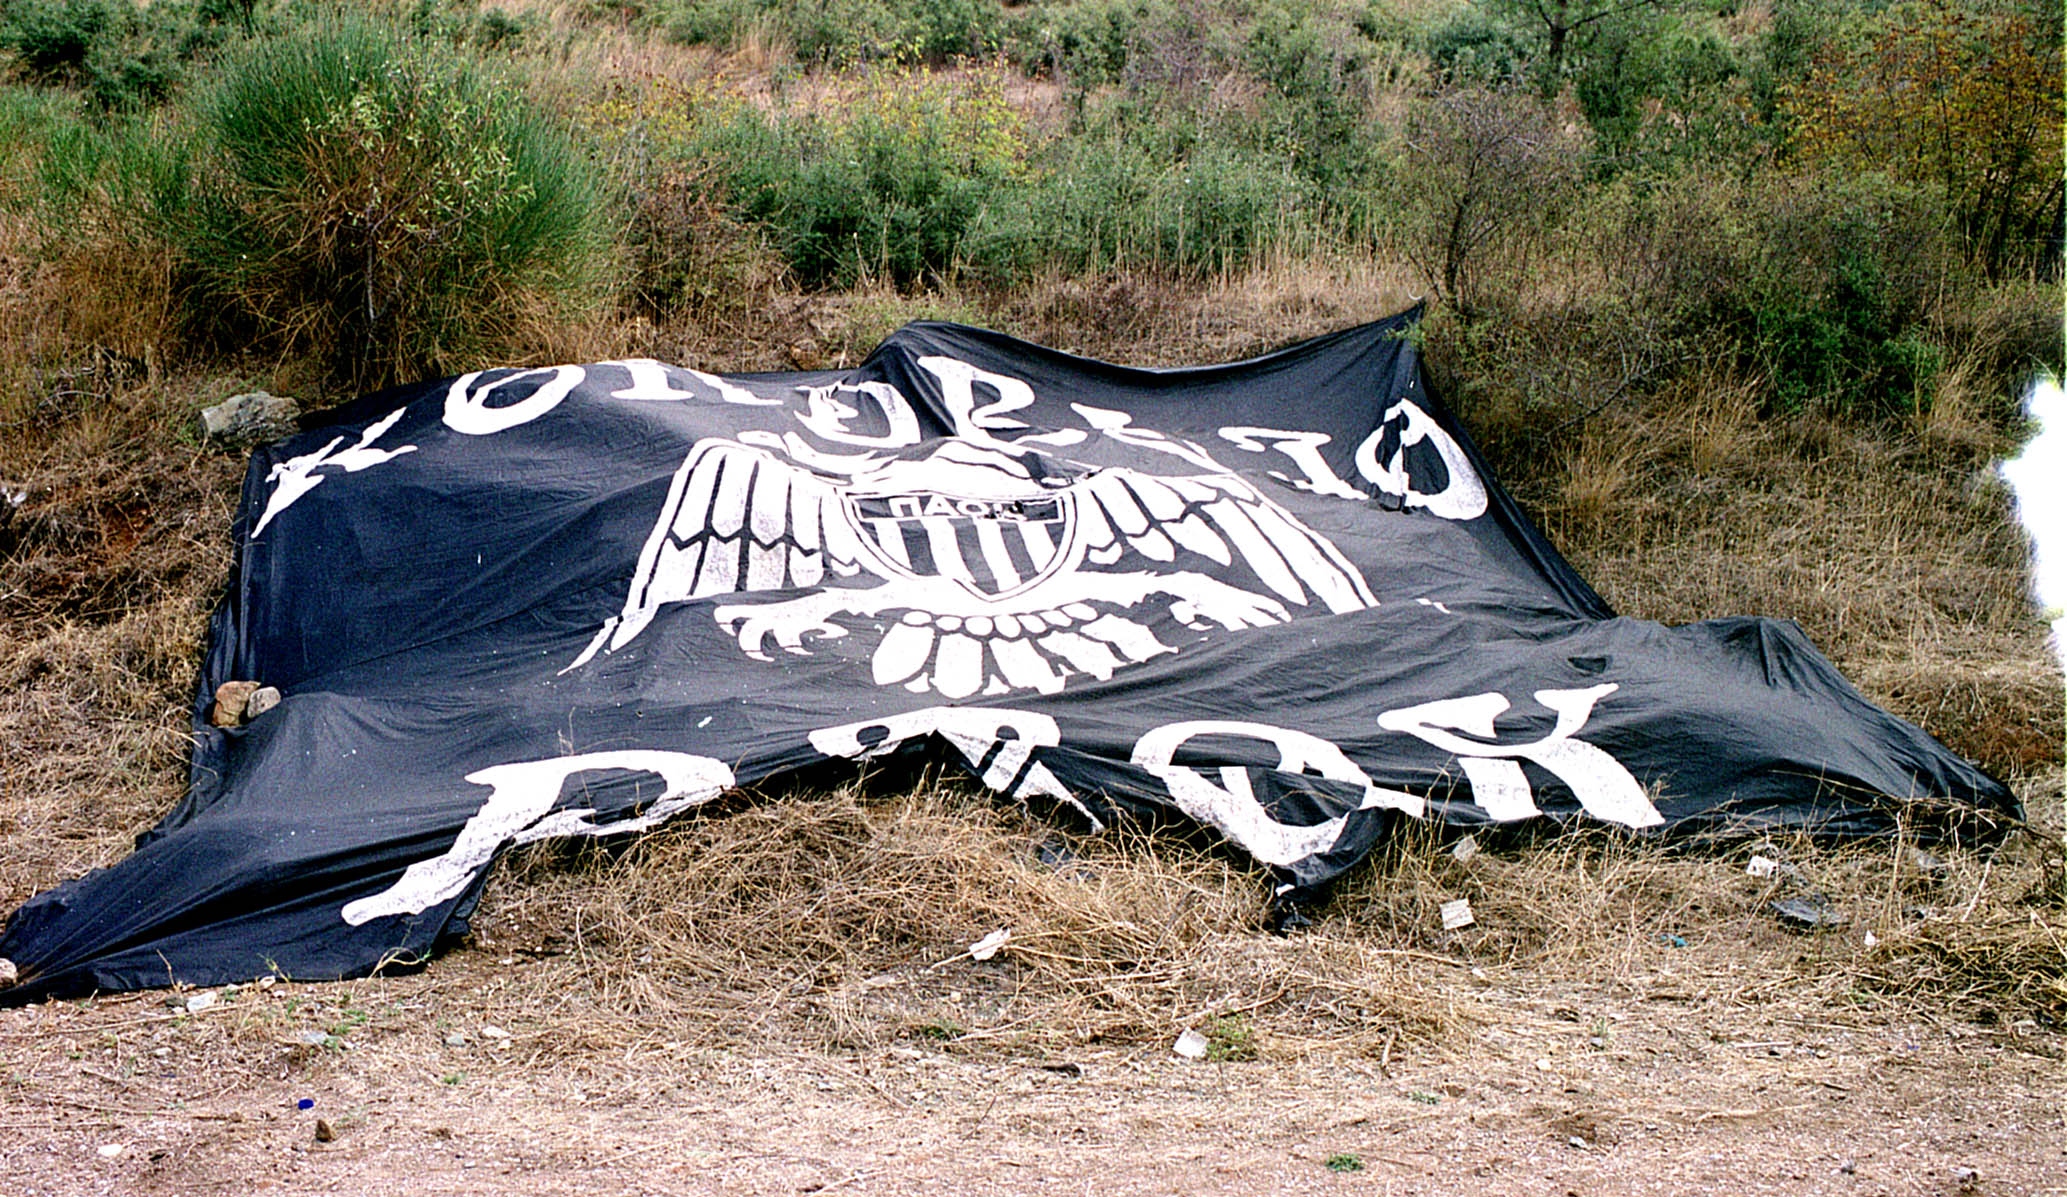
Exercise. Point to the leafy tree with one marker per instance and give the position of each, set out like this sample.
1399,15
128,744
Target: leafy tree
1562,27
1964,97
1486,162
1660,89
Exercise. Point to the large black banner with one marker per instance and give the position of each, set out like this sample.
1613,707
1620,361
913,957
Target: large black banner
1283,597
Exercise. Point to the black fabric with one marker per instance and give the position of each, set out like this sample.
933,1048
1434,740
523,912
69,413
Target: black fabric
1283,597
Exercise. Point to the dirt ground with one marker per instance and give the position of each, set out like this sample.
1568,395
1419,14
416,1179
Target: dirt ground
463,1080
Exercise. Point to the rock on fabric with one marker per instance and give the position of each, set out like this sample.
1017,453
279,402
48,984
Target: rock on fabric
1284,598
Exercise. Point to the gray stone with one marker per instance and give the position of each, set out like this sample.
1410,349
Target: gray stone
1812,912
249,419
263,699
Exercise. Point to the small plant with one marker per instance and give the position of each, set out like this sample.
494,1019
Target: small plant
498,30
127,55
1230,1039
453,1078
944,1028
1488,161
842,32
889,187
1421,1097
1345,1161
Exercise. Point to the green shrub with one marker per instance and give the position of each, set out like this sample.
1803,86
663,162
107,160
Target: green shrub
1663,94
1314,67
1839,294
125,54
886,186
1837,344
1085,44
377,201
1470,49
1111,202
842,32
51,38
498,30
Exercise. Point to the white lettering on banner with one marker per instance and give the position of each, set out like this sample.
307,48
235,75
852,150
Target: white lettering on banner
651,384
1463,497
829,408
1603,787
297,476
466,405
519,809
1231,804
1007,738
1120,427
1304,448
958,381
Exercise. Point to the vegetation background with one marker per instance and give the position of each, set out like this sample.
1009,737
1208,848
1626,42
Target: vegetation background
1739,295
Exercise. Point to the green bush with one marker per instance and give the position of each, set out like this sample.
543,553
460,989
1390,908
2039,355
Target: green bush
1085,44
1839,294
498,30
1314,67
125,54
1664,95
841,32
1826,286
1109,202
886,186
1471,49
377,201
51,38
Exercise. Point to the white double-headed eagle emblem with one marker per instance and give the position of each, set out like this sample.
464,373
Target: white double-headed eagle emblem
991,565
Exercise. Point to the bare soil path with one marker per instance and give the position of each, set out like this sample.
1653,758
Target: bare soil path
445,1083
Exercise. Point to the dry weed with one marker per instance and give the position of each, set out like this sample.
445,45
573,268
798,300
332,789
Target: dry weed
764,46
845,920
841,921
1599,471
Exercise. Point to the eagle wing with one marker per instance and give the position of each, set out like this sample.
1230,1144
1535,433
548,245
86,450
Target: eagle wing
1222,518
736,519
740,519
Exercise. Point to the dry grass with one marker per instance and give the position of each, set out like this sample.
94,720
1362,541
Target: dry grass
1893,547
107,574
840,922
845,920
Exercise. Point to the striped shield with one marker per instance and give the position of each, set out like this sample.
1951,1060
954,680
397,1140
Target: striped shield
993,547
